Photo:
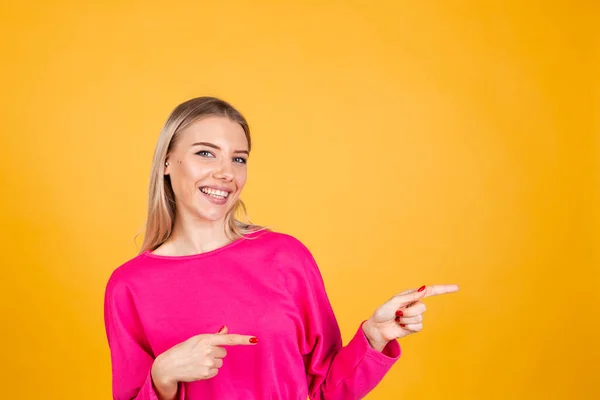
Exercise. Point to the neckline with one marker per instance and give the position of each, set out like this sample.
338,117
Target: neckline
148,253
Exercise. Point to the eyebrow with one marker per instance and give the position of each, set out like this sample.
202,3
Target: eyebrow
214,146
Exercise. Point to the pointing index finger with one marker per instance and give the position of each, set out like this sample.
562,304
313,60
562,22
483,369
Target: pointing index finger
231,339
436,290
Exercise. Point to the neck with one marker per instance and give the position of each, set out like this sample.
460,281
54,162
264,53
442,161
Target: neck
194,236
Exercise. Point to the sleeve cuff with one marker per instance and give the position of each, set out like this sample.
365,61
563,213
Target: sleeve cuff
149,386
387,357
181,391
152,395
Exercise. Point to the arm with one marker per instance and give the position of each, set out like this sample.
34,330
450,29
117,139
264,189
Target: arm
334,372
132,362
165,388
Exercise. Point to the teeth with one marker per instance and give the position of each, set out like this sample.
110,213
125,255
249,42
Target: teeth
215,192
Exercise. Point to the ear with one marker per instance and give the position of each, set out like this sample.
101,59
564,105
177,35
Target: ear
166,167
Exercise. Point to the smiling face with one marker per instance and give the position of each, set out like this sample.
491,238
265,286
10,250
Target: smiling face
207,168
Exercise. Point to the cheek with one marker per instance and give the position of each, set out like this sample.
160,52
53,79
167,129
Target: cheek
187,178
240,179
196,172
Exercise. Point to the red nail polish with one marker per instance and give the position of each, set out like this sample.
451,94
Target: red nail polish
253,340
402,325
223,327
421,289
397,319
399,313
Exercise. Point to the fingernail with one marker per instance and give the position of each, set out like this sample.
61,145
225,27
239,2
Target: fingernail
399,313
253,340
223,327
397,319
421,289
402,325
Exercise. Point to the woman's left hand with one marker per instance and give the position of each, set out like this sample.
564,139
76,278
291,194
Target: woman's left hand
401,315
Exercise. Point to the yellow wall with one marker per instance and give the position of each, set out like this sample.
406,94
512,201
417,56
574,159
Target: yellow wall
405,143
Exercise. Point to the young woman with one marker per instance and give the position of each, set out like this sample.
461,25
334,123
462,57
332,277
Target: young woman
215,308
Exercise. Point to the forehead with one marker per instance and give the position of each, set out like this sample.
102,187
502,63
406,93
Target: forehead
220,131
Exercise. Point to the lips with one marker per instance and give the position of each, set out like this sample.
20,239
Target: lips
217,193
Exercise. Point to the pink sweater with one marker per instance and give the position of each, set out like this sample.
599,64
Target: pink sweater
266,285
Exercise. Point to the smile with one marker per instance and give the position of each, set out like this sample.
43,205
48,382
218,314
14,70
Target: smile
218,194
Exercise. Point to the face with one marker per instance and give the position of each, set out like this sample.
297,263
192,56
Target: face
207,168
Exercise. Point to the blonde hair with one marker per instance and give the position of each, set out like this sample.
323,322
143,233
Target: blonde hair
161,199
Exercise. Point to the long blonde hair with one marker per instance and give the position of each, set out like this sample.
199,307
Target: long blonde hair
161,199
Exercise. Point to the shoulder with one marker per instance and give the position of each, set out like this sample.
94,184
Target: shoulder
291,256
282,243
126,274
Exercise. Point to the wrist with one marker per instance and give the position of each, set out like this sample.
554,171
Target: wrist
166,386
375,339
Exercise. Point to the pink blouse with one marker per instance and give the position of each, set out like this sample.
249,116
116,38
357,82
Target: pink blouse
267,285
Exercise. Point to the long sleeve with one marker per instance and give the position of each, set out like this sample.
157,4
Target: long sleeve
333,372
131,355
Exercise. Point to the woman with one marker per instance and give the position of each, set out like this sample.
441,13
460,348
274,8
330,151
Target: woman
184,317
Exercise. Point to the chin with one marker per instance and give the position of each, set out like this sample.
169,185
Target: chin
212,215
214,212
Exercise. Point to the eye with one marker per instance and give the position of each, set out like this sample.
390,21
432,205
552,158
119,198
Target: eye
240,160
205,153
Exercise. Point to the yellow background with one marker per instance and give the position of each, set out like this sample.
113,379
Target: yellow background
405,143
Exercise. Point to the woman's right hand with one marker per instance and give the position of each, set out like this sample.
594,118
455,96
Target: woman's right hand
197,358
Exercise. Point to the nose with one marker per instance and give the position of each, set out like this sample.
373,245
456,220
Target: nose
224,171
